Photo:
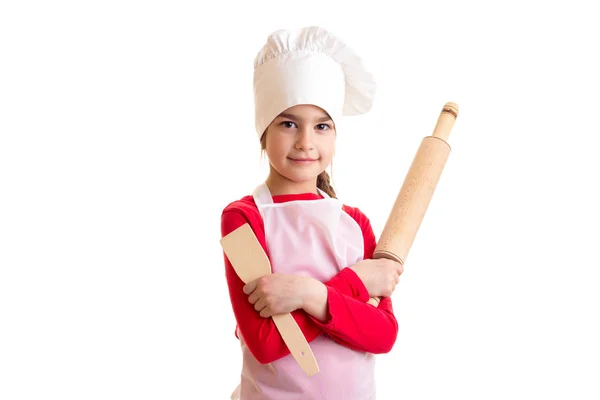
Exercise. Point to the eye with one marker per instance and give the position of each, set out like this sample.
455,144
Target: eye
323,127
287,124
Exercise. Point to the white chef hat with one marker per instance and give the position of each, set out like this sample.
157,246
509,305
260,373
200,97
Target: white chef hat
309,66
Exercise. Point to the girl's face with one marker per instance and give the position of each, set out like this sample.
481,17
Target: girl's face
300,144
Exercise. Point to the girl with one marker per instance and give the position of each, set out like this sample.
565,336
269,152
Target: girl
304,81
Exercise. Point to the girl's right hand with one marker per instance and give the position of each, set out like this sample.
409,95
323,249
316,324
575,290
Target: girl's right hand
380,276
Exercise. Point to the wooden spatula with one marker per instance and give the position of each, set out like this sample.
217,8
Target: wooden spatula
250,262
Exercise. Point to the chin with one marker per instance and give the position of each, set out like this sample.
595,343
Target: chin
301,177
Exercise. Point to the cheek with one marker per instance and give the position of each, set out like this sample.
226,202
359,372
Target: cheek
327,149
276,150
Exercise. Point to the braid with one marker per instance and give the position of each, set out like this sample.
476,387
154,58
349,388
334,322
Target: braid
323,183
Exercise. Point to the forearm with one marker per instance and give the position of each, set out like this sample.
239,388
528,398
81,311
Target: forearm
353,323
314,299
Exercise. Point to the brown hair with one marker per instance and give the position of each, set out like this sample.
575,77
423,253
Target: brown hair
323,180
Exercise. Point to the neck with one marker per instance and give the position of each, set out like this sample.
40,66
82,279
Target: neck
279,185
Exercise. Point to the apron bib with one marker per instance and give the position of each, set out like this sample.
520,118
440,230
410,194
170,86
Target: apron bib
314,238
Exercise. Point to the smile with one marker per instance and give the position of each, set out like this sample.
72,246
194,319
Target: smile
302,160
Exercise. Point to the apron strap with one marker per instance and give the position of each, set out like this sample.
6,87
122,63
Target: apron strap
262,195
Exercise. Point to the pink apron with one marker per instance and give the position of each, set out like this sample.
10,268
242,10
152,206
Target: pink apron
313,238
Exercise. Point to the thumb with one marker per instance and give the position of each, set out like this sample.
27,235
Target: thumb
399,268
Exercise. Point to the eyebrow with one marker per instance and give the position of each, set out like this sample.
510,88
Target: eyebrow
295,118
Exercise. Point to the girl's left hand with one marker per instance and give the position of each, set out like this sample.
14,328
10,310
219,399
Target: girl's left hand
275,294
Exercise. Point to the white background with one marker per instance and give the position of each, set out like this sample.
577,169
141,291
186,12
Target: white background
126,127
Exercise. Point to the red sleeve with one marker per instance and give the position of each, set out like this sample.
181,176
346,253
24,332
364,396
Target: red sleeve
354,323
359,325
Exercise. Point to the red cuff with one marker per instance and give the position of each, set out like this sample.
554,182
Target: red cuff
349,283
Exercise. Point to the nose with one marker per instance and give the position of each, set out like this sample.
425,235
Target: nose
305,139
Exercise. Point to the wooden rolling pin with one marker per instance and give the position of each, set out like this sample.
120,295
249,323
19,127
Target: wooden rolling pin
416,192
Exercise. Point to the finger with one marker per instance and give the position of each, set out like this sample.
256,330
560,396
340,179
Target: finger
265,312
260,304
250,286
253,298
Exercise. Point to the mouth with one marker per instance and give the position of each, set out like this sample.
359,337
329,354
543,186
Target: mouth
303,160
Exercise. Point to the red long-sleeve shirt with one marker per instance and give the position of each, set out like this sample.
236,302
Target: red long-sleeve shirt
351,321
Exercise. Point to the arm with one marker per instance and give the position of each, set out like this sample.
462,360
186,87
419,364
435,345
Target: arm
350,322
259,334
